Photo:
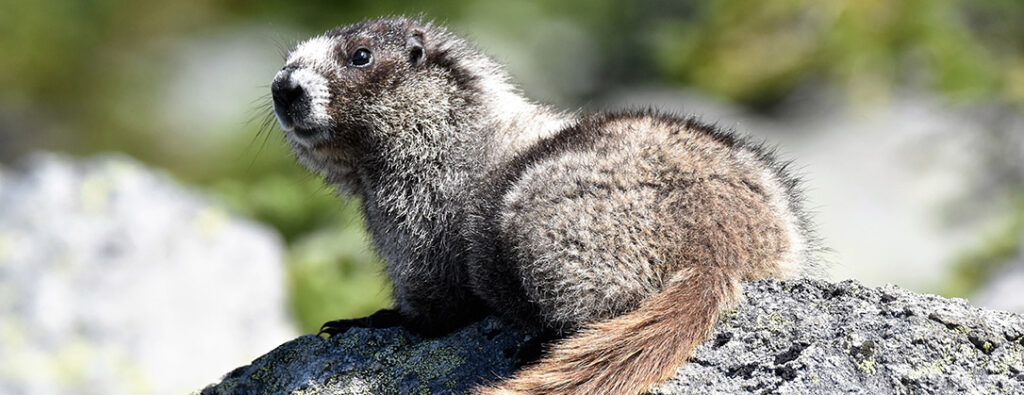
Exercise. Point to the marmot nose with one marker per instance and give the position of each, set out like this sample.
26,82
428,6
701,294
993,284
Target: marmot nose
286,91
287,96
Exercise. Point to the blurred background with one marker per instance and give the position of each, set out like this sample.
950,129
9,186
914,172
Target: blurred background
904,117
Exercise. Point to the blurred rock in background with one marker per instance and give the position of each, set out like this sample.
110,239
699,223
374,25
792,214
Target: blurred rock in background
115,279
1005,291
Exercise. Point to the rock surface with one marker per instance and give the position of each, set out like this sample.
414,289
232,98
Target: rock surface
794,337
807,336
392,361
114,279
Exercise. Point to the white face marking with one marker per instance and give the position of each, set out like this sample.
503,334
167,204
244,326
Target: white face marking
316,91
315,86
316,52
312,58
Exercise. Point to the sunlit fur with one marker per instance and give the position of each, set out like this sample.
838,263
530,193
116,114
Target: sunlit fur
626,232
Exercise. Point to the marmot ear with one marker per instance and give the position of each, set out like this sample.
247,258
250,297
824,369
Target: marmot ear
414,46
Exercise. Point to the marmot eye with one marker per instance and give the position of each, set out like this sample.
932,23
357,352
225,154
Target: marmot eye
361,57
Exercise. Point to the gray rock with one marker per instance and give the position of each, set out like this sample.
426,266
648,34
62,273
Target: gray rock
808,336
794,337
388,360
115,279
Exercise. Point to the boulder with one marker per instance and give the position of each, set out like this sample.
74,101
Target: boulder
116,279
790,337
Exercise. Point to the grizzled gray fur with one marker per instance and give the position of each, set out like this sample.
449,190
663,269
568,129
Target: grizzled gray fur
627,231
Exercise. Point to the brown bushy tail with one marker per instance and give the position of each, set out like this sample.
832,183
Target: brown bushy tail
628,354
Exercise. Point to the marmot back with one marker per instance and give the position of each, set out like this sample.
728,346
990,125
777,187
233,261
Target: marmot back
628,233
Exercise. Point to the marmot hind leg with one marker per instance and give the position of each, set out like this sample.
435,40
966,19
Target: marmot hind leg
594,230
584,246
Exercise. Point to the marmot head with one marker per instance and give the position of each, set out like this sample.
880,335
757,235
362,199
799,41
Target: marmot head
364,89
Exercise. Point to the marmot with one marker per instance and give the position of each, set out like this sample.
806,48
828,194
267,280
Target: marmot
627,232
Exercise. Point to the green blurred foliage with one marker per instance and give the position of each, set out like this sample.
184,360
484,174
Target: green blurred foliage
326,270
86,76
314,205
757,52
